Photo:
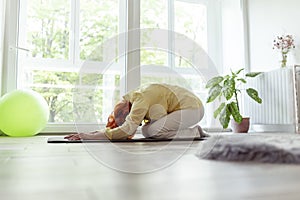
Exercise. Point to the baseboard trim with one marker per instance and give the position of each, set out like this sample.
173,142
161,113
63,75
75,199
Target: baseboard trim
285,128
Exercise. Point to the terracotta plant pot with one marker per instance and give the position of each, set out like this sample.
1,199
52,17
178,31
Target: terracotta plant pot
243,127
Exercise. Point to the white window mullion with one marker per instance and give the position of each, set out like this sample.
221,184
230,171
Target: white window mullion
132,71
9,77
2,28
74,51
123,11
171,26
245,15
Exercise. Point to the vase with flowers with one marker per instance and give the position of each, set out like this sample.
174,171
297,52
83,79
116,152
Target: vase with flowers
284,43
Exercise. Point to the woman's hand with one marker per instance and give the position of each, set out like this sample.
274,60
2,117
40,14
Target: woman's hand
95,135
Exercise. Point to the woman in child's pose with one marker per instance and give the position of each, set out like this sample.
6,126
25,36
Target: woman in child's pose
166,110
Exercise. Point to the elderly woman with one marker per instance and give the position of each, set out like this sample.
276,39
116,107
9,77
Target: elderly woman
165,111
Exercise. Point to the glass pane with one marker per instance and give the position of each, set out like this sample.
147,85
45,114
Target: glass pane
191,21
56,87
153,57
94,97
154,14
99,21
45,28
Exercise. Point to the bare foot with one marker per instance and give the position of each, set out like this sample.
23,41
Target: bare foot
201,132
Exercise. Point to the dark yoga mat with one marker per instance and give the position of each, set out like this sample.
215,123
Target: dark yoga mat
62,140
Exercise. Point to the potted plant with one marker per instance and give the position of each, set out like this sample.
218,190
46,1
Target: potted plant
226,89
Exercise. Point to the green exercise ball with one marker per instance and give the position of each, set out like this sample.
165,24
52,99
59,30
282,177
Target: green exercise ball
23,113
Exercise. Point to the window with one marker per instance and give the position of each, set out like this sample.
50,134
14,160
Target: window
58,38
61,35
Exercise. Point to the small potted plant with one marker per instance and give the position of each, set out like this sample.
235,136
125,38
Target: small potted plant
226,89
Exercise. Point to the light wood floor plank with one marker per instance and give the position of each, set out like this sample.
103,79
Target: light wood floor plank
32,169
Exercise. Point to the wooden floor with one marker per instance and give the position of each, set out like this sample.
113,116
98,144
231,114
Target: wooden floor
34,170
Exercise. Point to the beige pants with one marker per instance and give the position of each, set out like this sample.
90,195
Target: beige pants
175,124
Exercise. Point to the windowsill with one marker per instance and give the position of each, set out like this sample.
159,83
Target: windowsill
64,128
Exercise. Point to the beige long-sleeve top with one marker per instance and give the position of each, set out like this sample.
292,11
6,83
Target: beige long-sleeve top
152,102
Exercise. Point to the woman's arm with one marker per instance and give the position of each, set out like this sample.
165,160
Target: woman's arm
95,135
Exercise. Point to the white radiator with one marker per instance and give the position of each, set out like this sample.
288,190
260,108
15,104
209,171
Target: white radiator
278,112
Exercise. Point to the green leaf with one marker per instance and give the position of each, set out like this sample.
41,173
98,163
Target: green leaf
242,80
214,81
229,88
218,111
254,95
239,71
227,77
235,112
253,74
214,92
225,117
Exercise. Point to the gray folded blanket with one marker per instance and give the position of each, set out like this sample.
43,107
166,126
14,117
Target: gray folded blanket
265,148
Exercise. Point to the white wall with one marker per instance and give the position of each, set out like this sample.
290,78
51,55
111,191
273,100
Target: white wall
267,19
232,36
